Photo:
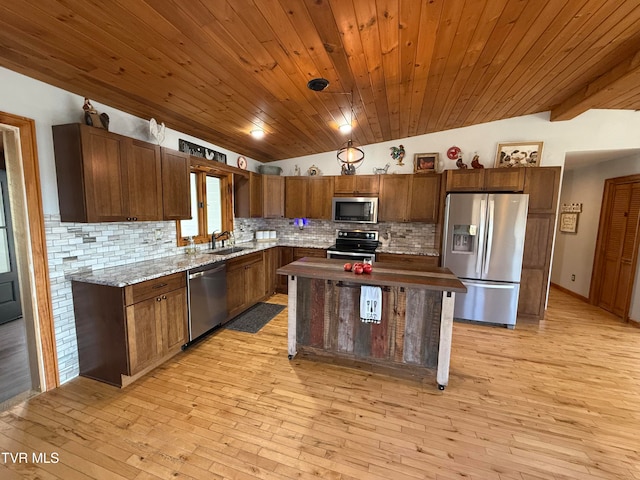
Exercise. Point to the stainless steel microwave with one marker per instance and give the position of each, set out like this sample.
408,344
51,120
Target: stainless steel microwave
355,209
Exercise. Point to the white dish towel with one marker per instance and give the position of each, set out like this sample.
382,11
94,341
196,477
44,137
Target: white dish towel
370,304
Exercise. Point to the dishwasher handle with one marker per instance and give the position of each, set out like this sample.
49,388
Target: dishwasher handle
207,271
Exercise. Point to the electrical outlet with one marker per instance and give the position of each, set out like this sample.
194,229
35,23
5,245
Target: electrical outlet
573,278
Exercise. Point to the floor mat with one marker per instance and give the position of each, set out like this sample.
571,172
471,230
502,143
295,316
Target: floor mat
255,318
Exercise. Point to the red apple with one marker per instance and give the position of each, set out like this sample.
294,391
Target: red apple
347,267
367,268
357,270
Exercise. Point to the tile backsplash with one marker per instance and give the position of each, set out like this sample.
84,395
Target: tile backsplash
76,247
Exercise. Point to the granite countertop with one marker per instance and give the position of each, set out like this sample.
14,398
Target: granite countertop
136,272
405,250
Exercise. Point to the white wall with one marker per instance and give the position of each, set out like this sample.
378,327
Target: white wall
593,130
574,253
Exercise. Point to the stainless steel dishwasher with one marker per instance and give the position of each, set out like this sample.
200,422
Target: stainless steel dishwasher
207,298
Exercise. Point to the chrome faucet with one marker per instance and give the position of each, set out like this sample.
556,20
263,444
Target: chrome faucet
215,236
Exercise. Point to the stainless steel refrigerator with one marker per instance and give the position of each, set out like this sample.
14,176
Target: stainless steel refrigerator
483,243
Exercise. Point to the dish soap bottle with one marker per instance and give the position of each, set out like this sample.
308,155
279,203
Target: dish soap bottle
191,247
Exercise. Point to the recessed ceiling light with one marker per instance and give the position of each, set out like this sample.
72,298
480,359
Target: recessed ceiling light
257,133
345,128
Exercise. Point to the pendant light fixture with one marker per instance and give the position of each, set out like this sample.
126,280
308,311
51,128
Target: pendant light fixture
349,156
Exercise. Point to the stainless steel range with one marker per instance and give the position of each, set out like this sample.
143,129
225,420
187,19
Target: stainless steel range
354,245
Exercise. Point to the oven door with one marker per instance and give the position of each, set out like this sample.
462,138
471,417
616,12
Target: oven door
351,256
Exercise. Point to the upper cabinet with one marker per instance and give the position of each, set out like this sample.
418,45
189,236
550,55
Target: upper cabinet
105,177
409,198
486,179
357,185
273,196
175,185
542,185
259,196
309,197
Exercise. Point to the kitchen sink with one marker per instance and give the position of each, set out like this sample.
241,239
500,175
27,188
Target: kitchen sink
227,251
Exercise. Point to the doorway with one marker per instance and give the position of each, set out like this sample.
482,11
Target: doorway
30,254
617,246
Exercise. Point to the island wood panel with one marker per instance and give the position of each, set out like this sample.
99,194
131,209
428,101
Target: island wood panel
327,317
381,333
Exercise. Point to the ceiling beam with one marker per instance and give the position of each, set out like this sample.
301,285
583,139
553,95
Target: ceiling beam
604,90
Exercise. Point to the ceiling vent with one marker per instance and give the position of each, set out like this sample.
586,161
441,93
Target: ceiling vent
317,84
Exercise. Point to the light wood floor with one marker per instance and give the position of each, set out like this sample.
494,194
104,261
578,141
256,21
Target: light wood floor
15,376
559,401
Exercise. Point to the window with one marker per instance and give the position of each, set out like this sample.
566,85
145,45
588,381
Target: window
211,207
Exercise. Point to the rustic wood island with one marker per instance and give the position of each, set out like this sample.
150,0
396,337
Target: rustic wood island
415,326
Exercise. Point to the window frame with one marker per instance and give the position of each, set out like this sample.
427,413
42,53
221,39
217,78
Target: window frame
226,198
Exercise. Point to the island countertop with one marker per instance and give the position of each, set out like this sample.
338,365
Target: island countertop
383,274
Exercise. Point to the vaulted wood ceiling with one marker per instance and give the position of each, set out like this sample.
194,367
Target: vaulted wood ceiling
216,69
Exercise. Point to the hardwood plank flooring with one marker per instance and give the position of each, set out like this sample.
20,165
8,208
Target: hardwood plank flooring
556,401
15,375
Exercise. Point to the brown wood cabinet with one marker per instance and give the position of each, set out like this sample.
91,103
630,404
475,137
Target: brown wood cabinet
291,254
308,197
415,260
356,185
542,185
486,180
259,196
245,282
295,197
271,264
273,196
319,196
176,187
105,177
124,332
409,198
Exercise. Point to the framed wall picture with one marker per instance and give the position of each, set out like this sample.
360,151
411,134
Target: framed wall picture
425,162
518,154
569,222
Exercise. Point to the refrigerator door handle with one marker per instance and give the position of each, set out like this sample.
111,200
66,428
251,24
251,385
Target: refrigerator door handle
481,236
492,208
482,284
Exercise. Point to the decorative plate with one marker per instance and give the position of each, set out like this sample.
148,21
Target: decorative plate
453,153
313,171
242,163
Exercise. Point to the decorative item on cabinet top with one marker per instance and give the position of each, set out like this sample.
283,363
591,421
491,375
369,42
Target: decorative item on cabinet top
424,162
157,131
381,171
314,171
518,154
200,151
92,118
475,162
269,170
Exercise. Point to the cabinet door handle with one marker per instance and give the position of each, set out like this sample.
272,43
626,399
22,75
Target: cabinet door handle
158,299
164,297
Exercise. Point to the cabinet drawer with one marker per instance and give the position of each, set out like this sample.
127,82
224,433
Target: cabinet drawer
151,288
244,260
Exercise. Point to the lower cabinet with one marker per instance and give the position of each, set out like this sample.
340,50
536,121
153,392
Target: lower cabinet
291,254
245,282
123,332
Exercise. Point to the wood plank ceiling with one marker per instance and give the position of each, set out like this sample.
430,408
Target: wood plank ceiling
218,69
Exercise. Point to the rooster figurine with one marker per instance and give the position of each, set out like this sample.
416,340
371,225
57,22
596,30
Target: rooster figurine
397,153
475,162
459,163
157,131
92,118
